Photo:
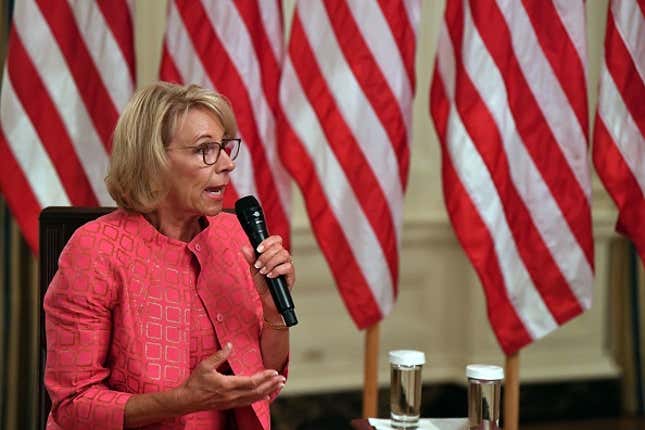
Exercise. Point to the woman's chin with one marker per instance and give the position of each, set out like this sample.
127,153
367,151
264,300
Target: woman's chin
212,208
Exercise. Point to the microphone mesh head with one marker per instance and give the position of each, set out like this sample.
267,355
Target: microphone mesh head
249,214
246,203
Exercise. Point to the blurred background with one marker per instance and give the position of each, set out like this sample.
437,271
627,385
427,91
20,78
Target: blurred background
586,369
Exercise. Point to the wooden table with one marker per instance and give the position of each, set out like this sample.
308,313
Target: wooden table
440,423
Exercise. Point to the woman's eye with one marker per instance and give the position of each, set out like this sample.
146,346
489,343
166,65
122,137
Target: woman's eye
204,148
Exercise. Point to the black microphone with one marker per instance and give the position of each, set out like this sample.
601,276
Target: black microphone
250,215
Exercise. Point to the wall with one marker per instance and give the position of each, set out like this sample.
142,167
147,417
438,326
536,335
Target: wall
441,305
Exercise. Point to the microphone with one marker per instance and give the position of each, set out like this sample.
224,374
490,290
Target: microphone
250,215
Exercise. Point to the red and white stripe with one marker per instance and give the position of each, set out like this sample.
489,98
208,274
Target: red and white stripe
346,97
508,99
619,131
237,48
69,72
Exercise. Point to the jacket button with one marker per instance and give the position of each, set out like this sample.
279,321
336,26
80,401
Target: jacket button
219,317
197,247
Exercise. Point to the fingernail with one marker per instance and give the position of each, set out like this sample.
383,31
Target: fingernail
260,248
274,373
229,345
280,386
257,264
263,270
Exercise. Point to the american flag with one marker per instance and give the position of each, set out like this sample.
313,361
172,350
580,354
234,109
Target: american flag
619,130
237,48
346,97
509,102
69,72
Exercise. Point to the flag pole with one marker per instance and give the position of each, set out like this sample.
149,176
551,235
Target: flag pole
370,386
512,391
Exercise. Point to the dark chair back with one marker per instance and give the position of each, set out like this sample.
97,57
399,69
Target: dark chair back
56,226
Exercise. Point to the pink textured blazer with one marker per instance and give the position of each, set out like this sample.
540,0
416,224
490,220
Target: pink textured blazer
119,313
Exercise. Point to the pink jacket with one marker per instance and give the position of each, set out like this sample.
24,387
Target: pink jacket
118,313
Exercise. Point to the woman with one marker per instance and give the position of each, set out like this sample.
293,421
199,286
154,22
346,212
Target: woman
159,314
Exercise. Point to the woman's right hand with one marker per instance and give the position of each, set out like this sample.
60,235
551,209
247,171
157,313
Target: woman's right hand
207,389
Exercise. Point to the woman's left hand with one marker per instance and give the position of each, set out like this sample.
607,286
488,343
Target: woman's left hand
273,261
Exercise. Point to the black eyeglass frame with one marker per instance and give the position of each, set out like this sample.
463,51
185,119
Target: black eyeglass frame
221,147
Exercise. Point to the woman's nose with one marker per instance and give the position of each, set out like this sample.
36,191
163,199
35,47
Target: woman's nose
224,163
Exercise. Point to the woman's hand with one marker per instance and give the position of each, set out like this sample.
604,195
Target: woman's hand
273,261
205,389
208,389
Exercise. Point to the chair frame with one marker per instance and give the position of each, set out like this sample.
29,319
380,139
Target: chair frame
56,226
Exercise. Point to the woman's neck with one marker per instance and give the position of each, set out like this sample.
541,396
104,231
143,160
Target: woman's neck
175,226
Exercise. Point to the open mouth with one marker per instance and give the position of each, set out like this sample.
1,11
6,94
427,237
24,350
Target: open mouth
215,191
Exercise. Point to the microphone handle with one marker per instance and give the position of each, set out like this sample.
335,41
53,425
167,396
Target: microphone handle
282,299
277,286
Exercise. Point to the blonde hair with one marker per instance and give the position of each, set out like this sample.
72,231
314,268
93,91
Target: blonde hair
138,165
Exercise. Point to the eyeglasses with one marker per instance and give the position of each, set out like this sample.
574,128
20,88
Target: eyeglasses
211,150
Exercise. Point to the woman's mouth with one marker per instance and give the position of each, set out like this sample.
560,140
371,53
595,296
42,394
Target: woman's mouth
215,192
